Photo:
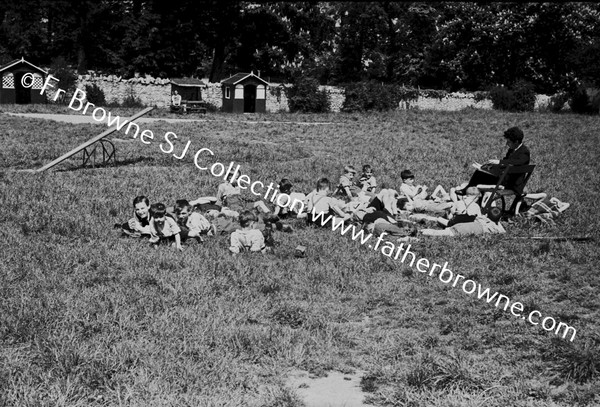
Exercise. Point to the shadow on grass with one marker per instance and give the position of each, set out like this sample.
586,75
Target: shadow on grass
110,164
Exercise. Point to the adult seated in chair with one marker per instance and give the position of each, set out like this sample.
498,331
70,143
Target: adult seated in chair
176,101
517,155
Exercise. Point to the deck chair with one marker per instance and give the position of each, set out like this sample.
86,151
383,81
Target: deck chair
496,194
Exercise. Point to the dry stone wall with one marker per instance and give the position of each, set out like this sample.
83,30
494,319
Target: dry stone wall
157,92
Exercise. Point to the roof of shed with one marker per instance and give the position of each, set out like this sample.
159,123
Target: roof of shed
238,77
23,61
193,82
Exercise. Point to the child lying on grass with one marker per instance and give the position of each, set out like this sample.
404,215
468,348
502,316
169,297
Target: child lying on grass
163,229
464,209
378,222
247,238
481,225
191,223
139,224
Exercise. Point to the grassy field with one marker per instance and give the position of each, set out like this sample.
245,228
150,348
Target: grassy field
91,319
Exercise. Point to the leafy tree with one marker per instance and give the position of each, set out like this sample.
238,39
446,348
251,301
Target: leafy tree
304,96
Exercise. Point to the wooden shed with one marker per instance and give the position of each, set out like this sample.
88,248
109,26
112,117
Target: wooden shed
11,88
244,93
188,88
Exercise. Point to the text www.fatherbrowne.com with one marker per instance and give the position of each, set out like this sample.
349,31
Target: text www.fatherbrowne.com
444,274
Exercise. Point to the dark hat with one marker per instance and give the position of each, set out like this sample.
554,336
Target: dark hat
514,134
406,174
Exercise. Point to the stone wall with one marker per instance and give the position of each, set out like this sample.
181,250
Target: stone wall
157,92
151,91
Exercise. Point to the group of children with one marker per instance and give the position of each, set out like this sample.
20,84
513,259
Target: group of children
250,226
399,212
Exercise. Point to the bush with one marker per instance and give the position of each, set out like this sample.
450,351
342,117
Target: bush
596,102
132,100
481,96
502,98
524,94
581,102
521,98
368,96
95,95
67,80
556,102
211,107
304,96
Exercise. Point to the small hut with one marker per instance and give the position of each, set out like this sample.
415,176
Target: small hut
11,87
190,89
244,93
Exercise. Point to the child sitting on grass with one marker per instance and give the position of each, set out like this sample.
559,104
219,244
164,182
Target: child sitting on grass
408,187
367,181
287,207
192,224
346,185
318,202
139,224
229,197
386,200
247,238
163,229
419,192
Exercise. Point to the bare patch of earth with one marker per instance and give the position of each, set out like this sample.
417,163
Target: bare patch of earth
335,390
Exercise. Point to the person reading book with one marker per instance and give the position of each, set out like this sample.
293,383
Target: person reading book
517,154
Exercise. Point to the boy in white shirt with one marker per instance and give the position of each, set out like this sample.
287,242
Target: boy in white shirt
347,186
416,192
318,202
163,229
192,224
367,181
247,238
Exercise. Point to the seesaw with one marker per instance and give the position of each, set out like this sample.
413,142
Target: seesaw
108,148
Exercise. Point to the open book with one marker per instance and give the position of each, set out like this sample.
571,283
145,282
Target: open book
487,168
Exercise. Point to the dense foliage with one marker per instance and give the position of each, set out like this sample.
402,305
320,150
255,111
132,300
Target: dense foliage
95,95
304,96
446,45
519,98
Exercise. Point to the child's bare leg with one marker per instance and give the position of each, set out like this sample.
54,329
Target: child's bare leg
440,193
422,216
261,205
437,232
204,200
339,211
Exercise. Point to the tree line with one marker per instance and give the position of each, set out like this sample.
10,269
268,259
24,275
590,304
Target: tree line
445,45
